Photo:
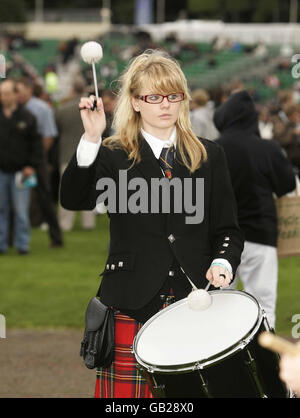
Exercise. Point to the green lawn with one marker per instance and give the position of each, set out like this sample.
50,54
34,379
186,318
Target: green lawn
52,287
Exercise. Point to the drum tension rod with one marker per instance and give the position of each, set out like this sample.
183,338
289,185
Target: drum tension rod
198,367
252,368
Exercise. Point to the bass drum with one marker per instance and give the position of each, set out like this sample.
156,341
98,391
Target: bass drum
212,353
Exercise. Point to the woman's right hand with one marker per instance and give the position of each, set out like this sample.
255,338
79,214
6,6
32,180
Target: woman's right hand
94,121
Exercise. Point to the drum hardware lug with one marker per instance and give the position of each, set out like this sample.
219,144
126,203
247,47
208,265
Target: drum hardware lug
156,390
252,367
197,366
266,322
159,390
204,385
243,344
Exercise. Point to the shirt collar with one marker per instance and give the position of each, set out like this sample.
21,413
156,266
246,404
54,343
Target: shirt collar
157,144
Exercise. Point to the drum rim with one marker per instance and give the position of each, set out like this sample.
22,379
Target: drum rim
204,363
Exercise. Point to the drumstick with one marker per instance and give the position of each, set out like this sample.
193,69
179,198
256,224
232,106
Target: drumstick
191,283
278,344
92,53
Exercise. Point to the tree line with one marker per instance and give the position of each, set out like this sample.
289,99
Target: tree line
254,11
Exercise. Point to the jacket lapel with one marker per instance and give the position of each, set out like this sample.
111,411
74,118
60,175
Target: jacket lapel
179,169
148,166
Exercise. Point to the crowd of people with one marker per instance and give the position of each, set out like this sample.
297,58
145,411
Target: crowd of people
58,125
39,135
48,143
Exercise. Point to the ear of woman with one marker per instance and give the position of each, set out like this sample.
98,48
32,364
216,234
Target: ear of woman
135,104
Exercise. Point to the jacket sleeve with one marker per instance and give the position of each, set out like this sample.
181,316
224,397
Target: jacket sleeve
227,237
281,175
36,145
78,184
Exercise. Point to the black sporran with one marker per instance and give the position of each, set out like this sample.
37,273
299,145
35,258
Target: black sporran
97,346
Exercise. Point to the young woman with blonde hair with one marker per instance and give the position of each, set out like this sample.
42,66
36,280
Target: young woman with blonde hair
153,141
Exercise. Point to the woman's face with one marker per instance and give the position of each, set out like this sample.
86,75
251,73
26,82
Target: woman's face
158,116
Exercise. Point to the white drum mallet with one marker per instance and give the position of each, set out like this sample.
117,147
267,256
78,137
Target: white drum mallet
91,53
198,299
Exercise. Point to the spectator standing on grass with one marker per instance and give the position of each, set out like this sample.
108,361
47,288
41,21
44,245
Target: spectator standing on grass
287,133
265,124
201,115
47,128
69,124
20,155
258,169
109,99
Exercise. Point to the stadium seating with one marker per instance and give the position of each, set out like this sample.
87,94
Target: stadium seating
205,70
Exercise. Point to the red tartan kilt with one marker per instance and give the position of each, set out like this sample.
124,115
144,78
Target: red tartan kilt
122,379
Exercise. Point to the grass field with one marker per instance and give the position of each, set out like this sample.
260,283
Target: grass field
50,288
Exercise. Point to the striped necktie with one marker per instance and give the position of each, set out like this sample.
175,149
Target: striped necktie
166,160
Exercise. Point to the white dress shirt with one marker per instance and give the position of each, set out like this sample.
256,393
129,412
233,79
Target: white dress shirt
157,144
87,152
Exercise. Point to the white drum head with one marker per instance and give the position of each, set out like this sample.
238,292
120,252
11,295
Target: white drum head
178,335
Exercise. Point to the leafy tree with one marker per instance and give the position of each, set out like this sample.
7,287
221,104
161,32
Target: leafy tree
12,11
203,6
268,10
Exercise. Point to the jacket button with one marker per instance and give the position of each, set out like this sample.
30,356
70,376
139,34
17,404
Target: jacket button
171,238
171,273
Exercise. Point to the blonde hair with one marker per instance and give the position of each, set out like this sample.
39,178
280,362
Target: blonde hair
200,97
164,75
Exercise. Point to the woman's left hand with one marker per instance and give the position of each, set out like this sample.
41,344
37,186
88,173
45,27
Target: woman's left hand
219,275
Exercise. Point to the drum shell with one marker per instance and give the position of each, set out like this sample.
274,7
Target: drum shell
244,369
250,372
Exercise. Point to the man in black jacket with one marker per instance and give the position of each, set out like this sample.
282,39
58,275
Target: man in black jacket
20,152
258,169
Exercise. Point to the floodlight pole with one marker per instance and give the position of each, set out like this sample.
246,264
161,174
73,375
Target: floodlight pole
293,11
106,11
39,10
160,11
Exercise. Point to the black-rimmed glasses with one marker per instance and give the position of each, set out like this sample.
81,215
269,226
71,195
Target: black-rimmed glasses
158,98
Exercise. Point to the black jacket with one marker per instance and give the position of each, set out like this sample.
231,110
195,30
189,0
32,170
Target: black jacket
20,142
143,246
257,167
